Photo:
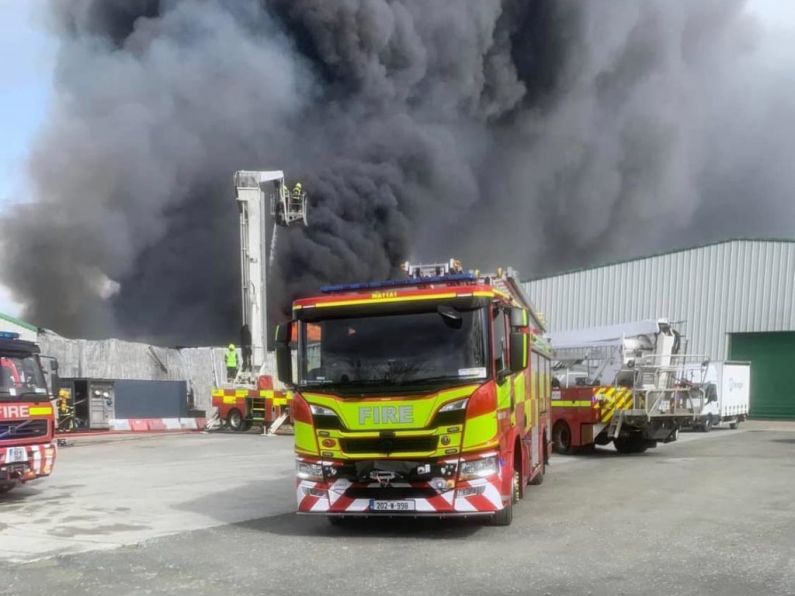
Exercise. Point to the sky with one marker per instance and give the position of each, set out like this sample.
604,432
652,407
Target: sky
27,61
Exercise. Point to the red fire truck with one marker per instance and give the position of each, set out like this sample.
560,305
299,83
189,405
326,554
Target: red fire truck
620,384
425,396
27,422
240,408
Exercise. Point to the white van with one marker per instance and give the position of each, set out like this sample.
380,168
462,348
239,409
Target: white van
727,387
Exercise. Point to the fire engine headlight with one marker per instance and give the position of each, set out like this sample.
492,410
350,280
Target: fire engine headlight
308,470
105,394
486,466
454,406
321,411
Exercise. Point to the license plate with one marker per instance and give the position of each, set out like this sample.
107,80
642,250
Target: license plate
16,454
391,505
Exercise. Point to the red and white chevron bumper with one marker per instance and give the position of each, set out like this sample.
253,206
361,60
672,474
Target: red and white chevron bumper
437,497
38,463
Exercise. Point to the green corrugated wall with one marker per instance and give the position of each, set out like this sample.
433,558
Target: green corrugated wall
772,357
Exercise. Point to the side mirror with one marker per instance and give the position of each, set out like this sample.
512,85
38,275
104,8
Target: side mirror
519,317
520,344
284,360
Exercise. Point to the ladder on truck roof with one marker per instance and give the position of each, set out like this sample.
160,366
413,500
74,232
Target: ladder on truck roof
505,280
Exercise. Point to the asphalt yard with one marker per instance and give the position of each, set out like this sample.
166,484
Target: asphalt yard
213,514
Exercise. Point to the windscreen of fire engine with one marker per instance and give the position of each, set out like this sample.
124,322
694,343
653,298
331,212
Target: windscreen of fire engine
445,345
21,377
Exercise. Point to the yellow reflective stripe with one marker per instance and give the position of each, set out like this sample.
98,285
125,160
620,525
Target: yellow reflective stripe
625,402
504,395
570,403
404,298
519,387
230,399
40,411
479,430
304,437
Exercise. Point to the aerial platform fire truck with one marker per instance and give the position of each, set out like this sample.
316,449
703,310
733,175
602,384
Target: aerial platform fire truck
622,384
265,204
424,396
27,422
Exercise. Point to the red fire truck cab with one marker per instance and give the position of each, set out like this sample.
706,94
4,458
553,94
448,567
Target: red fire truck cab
27,422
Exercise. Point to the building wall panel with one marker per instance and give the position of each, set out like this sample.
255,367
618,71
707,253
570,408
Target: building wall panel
738,286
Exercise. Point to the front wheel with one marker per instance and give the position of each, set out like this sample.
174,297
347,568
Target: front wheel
707,426
504,516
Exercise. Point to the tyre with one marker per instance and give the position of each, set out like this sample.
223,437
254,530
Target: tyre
734,425
561,437
235,420
707,426
631,444
4,488
504,516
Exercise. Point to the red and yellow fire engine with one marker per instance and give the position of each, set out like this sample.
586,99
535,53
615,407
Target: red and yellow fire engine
620,384
242,407
27,422
426,396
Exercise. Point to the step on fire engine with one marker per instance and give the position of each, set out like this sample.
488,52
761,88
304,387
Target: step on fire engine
423,396
622,384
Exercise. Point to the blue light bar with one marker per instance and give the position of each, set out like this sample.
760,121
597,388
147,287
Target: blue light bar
8,335
398,283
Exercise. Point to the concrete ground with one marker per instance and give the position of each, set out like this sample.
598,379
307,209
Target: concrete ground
212,514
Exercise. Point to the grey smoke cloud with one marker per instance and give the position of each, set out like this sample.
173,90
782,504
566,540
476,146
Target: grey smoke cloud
539,134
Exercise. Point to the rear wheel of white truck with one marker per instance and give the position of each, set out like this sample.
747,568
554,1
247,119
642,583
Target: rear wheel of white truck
707,426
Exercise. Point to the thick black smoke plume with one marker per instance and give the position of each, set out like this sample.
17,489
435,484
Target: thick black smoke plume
538,133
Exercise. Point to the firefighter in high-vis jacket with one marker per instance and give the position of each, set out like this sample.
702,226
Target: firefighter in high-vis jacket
230,357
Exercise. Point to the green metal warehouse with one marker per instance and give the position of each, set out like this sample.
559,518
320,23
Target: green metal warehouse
735,300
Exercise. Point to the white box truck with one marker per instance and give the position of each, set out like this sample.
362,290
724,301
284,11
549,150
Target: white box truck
727,387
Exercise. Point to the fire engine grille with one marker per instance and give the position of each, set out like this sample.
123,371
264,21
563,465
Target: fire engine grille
390,445
24,429
390,492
